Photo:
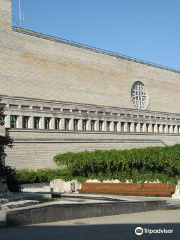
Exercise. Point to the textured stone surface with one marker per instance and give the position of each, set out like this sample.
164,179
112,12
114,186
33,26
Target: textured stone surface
38,68
53,213
61,186
176,195
19,204
37,148
35,155
34,66
36,187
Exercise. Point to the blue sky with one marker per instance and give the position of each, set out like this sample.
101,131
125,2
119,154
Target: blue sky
144,29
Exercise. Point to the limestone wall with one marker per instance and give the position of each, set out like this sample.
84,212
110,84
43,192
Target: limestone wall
33,149
78,79
34,67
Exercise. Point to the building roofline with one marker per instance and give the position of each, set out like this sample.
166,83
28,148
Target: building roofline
91,48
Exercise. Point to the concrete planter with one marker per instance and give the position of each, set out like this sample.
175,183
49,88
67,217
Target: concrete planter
62,186
176,195
36,187
58,185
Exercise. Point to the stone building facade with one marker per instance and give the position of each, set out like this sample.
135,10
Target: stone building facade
62,96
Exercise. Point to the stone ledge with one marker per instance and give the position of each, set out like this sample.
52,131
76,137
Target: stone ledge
53,213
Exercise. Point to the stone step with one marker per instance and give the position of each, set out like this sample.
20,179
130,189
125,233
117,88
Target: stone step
19,204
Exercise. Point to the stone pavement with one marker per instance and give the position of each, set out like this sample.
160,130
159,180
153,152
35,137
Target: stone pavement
170,201
106,228
162,216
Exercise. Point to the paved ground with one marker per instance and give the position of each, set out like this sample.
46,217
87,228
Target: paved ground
163,216
169,200
105,228
22,196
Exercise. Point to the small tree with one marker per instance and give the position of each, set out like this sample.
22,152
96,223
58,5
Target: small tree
5,141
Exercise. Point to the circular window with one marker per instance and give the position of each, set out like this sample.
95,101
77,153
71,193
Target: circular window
139,95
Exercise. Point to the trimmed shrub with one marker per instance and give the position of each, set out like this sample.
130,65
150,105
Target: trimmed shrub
138,165
25,176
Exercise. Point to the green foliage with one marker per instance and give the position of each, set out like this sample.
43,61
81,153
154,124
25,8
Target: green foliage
7,174
137,165
11,180
25,176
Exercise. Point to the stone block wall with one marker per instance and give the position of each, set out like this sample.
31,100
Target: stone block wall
36,66
36,149
41,76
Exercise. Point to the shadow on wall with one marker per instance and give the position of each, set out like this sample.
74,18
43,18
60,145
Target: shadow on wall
90,232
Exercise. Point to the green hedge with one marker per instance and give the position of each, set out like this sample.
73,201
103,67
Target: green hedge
24,176
138,165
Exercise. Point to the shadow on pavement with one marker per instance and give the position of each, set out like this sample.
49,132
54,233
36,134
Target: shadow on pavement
2,224
89,232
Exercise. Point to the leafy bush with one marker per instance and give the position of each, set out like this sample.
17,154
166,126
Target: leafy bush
138,165
25,176
8,176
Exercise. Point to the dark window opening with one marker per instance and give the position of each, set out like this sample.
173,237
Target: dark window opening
76,122
25,120
47,121
13,121
122,126
108,125
93,125
67,121
57,123
84,123
115,126
36,122
100,126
